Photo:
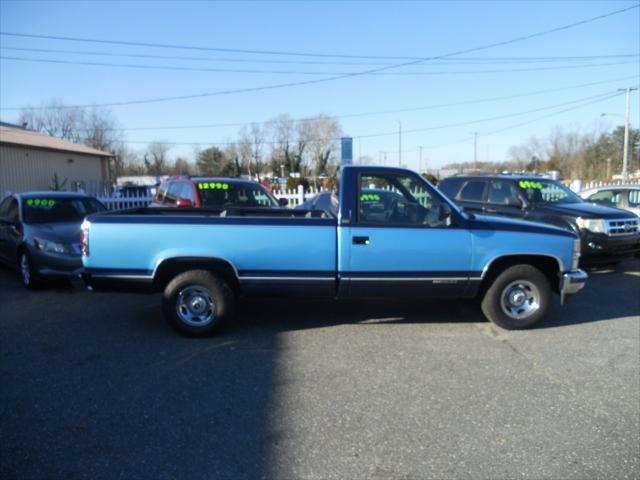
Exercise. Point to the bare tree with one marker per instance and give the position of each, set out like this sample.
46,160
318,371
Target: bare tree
101,130
156,158
182,167
325,132
250,148
55,119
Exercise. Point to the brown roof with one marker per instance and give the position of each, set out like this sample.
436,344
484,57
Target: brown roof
29,138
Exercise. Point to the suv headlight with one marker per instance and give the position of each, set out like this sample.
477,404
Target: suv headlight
595,225
49,246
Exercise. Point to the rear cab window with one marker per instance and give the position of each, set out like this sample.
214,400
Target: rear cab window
217,193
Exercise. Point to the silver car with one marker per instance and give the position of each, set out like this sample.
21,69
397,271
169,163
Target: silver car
626,197
40,233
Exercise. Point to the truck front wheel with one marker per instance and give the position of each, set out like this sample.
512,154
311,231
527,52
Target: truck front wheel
518,298
198,303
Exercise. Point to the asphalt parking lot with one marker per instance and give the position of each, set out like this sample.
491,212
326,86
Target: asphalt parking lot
97,386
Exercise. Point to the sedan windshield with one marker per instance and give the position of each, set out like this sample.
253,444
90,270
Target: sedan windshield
548,191
234,194
58,210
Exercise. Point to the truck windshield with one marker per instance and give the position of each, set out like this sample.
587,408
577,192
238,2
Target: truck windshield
235,194
58,210
547,191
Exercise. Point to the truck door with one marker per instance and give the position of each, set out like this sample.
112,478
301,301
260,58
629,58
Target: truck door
397,243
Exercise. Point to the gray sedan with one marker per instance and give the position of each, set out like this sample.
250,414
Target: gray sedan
40,233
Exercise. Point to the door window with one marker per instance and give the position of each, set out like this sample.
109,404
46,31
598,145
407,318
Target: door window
610,198
502,192
634,198
473,191
397,200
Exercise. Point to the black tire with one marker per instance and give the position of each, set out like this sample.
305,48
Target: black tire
500,303
198,303
28,274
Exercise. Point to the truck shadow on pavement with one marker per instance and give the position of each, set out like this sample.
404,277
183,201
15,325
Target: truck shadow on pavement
98,386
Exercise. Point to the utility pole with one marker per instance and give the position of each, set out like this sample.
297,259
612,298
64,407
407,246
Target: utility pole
420,159
384,158
625,152
475,150
399,143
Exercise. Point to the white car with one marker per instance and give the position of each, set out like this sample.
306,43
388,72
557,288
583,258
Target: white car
626,197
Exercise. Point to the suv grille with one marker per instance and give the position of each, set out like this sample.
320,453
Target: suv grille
623,226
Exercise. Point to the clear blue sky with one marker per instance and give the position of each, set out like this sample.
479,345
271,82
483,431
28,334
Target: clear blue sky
358,28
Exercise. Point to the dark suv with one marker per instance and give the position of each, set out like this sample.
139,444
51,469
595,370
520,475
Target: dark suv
608,234
213,192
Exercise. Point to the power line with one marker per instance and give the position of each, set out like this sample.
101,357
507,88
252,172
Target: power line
290,53
521,124
382,112
581,103
457,60
324,79
602,96
294,72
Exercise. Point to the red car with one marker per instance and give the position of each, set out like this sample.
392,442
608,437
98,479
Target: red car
214,192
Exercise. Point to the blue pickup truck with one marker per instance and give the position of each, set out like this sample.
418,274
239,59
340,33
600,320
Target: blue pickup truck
415,243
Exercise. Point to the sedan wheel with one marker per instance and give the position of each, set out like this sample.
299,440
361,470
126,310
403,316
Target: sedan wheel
27,274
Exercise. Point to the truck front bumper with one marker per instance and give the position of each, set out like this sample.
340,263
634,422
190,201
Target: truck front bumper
571,283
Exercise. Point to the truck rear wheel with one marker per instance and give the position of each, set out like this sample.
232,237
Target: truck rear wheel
518,298
198,303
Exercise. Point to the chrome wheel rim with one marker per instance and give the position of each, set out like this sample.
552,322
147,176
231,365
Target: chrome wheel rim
195,306
520,299
25,269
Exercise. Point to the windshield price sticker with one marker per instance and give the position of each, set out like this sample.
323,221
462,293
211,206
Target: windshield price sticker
40,202
213,186
529,184
369,197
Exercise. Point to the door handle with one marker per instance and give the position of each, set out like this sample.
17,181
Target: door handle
360,240
491,210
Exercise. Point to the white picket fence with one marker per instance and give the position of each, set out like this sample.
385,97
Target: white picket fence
578,185
295,197
125,201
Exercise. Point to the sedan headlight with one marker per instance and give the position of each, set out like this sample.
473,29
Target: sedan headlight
595,225
49,246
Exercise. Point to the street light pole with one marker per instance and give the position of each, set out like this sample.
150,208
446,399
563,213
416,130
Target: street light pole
420,159
399,143
475,150
625,151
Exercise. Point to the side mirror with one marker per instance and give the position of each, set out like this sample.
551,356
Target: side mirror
183,202
283,202
445,211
